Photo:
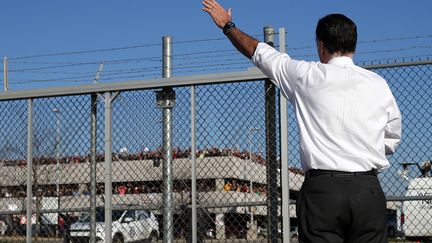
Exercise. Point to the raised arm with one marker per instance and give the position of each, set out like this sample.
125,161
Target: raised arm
222,18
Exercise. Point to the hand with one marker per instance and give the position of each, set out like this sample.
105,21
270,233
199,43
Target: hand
219,15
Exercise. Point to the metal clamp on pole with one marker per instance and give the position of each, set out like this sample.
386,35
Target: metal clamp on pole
165,98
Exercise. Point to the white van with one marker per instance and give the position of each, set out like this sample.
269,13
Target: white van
127,226
418,213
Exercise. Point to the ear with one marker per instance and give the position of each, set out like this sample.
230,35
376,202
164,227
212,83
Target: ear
321,51
321,48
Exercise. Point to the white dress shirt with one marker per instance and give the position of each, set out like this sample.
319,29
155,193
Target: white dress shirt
347,116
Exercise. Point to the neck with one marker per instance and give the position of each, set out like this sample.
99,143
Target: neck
338,54
326,57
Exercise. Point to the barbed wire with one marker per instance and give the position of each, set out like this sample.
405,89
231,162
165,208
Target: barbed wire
214,62
116,48
197,41
209,60
367,41
207,69
85,51
372,51
397,38
130,71
115,61
51,67
395,59
152,74
16,60
181,56
396,49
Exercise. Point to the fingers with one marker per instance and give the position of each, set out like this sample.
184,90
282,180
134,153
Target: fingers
219,15
212,5
208,4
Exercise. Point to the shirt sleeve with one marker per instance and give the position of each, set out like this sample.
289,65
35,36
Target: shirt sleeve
279,67
393,130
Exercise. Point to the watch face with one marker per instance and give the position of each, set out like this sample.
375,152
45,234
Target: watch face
228,26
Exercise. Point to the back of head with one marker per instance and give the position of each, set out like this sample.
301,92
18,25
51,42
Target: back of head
338,33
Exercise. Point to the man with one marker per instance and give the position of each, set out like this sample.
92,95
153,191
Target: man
348,121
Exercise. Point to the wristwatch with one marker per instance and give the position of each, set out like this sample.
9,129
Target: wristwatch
229,25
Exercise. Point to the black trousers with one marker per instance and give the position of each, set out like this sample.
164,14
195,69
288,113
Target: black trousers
341,208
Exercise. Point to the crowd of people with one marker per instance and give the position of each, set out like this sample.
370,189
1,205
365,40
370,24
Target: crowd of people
136,187
244,186
145,154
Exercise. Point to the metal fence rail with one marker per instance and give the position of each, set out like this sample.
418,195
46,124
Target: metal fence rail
102,145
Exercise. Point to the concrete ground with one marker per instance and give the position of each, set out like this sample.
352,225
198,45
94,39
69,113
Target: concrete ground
20,239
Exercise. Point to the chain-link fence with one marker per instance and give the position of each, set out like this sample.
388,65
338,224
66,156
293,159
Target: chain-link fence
91,149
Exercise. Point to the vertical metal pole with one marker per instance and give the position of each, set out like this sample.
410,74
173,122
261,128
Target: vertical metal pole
29,169
167,103
93,134
251,209
108,165
166,56
193,169
5,74
56,111
271,157
283,108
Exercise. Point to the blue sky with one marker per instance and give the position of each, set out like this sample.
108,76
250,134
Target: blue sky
31,27
42,27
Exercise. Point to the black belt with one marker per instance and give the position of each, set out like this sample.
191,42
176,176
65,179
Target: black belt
334,173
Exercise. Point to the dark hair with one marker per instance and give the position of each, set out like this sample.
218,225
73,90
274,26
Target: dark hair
338,33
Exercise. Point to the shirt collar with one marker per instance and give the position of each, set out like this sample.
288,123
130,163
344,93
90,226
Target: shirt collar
341,61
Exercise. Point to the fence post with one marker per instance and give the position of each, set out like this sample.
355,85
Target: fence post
5,74
109,99
271,143
193,169
283,109
166,101
93,142
29,169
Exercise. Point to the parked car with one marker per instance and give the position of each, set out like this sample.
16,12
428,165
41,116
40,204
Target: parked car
127,226
45,225
64,224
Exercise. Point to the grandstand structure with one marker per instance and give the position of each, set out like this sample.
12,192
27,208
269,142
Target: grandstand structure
143,186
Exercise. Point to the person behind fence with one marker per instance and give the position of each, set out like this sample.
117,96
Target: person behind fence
348,122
